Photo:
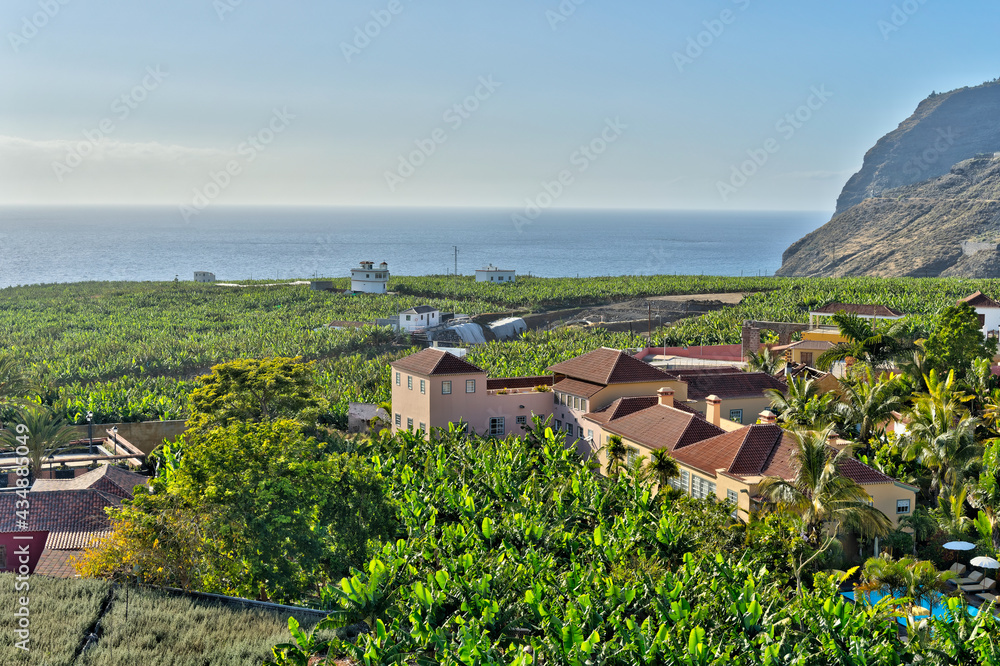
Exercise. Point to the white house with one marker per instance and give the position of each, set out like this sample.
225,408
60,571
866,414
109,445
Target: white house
493,274
370,280
988,311
420,317
204,276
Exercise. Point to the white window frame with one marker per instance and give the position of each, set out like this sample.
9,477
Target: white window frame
409,424
409,382
423,386
398,378
399,420
732,496
901,502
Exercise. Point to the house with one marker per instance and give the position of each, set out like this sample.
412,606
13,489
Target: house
741,394
370,280
204,276
419,318
988,311
496,275
72,511
803,352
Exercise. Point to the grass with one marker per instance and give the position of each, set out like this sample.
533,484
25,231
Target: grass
163,629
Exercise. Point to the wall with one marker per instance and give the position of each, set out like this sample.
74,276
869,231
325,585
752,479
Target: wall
991,318
146,435
752,407
884,496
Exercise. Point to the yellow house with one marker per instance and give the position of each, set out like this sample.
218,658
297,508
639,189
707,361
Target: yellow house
741,393
822,328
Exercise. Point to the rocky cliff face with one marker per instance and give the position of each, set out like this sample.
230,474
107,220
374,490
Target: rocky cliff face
946,226
945,129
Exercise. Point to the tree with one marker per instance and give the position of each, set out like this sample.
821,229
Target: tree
764,361
14,383
985,495
253,509
941,433
254,391
617,453
46,435
802,405
950,515
663,468
956,340
917,580
866,342
820,494
922,522
867,403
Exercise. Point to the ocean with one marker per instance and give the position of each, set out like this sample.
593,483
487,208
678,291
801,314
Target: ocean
47,245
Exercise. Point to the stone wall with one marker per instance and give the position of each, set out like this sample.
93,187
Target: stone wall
146,436
752,329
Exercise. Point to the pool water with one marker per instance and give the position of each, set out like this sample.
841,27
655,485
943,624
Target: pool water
938,610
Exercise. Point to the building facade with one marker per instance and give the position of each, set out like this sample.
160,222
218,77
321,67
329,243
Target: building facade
496,275
419,318
369,279
204,276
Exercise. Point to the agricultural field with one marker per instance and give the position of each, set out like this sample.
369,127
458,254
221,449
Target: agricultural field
129,351
161,629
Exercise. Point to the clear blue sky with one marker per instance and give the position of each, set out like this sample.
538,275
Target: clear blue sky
227,65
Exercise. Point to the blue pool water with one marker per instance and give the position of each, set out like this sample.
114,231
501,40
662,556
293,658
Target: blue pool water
938,610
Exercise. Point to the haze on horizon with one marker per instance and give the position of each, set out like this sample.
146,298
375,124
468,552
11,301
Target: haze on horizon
129,103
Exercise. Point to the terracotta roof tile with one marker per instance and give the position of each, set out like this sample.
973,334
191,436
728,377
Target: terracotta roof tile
980,300
518,382
622,407
609,366
731,384
657,426
862,473
574,387
74,540
61,510
57,563
435,362
106,478
858,309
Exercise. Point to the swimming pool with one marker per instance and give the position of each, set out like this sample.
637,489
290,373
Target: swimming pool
938,610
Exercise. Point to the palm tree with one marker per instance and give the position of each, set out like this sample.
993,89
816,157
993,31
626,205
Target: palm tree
923,524
617,453
46,434
663,468
820,494
866,342
918,580
803,405
950,515
765,361
985,494
867,403
941,433
14,384
915,365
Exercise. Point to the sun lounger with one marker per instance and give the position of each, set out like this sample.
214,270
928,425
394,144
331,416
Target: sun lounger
986,597
986,585
972,579
957,568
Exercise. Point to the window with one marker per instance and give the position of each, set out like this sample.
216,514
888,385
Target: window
409,424
423,427
702,488
576,403
446,388
423,386
632,456
409,382
569,428
902,506
497,428
807,358
397,379
470,385
590,435
580,433
407,317
736,415
399,420
558,424
732,496
522,420
682,482
555,398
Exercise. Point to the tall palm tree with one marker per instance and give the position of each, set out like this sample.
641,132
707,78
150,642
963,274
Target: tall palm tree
663,468
922,523
46,435
765,361
803,405
985,495
950,514
918,580
820,494
941,434
869,343
617,453
867,403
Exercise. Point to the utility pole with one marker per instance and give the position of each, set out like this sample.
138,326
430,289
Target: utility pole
649,312
456,260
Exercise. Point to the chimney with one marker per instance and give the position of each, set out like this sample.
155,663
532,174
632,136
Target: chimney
713,411
666,395
767,417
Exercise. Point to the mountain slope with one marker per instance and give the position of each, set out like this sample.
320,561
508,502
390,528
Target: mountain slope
945,226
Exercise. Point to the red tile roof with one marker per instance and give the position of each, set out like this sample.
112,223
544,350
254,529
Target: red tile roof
518,382
61,511
858,309
435,362
862,473
731,353
609,366
980,300
728,383
57,564
574,387
106,478
656,426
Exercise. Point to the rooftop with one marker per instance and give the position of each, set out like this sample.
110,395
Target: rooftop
980,300
435,362
420,309
727,383
858,309
609,366
655,426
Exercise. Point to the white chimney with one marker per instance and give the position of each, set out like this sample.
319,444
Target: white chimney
767,417
713,409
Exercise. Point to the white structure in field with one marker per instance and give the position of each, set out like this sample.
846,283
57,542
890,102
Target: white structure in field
419,318
988,311
204,276
370,280
493,274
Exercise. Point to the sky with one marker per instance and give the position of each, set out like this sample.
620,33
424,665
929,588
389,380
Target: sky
727,104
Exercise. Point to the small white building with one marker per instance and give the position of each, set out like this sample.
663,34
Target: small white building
369,279
493,274
204,276
418,318
988,311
